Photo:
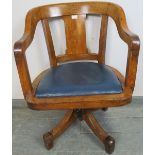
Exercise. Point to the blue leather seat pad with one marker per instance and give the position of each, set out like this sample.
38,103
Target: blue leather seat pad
78,78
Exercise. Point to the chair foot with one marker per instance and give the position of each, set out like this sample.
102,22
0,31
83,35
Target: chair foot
58,129
48,140
109,143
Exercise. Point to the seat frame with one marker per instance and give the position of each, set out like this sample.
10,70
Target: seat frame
76,40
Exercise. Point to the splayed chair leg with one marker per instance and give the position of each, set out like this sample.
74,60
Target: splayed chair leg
66,121
108,141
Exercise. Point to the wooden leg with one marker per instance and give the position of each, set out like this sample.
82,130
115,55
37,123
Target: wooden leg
108,141
58,129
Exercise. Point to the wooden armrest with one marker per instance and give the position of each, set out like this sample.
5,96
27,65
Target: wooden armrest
19,52
130,38
132,60
133,43
22,44
23,71
31,21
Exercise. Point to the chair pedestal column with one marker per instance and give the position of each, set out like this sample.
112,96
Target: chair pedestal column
89,118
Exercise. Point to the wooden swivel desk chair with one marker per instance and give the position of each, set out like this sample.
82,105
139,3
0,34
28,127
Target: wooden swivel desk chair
77,86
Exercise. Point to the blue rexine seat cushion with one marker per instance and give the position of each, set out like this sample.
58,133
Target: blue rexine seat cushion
78,78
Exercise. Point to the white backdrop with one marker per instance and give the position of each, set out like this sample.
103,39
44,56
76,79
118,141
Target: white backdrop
116,51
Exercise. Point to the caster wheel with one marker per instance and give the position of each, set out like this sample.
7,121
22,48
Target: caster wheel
109,144
48,140
104,109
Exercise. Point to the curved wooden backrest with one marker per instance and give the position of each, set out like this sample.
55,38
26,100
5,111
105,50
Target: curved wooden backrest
74,16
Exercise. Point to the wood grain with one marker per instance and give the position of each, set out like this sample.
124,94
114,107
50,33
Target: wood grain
49,43
75,34
102,40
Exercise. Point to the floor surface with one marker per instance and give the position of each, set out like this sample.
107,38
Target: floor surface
125,124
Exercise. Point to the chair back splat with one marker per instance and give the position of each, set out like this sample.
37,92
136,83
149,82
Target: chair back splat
75,30
75,34
74,17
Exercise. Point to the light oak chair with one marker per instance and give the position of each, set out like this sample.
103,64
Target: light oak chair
79,87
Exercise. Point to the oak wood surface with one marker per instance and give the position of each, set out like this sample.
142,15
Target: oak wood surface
102,40
66,121
75,34
95,126
49,43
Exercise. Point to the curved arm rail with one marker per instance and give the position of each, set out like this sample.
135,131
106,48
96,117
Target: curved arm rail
19,52
133,43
